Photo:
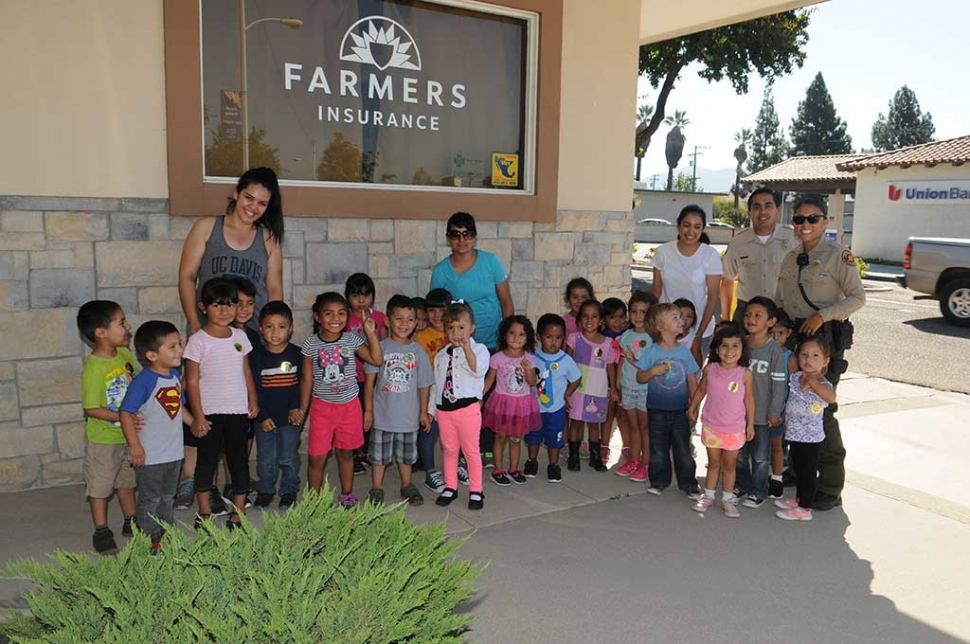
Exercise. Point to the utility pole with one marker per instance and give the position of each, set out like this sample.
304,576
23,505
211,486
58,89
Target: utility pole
653,181
693,181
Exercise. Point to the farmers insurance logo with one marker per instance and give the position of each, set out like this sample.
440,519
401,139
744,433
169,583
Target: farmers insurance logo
381,42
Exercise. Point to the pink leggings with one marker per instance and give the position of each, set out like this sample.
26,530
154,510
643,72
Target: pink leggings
460,429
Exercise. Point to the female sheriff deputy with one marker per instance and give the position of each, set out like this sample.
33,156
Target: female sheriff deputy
819,286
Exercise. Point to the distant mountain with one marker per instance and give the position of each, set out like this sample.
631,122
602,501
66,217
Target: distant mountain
715,180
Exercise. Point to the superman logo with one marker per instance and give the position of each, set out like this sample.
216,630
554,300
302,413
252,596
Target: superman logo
170,398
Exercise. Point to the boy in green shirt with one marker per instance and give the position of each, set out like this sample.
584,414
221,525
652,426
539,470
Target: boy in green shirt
104,381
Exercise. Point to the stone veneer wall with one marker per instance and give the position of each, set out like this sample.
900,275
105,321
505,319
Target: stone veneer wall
57,253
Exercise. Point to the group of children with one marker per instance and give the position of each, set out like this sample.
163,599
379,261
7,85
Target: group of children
386,387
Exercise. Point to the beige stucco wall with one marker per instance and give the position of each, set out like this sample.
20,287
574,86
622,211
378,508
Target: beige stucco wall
84,104
599,62
881,227
664,19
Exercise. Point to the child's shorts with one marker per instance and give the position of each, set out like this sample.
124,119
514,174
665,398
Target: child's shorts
106,468
387,447
334,426
633,399
775,432
551,432
729,441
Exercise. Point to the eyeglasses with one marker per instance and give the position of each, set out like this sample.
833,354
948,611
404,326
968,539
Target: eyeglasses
461,234
812,219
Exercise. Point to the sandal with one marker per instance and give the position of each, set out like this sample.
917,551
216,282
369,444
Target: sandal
411,494
375,496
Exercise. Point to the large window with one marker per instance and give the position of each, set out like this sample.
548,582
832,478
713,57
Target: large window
378,92
367,107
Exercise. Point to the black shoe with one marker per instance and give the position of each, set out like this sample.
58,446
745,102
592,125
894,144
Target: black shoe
788,479
286,501
199,518
126,528
554,472
104,542
531,468
476,500
776,489
446,497
359,467
501,479
825,502
263,501
693,492
217,505
517,477
233,524
572,464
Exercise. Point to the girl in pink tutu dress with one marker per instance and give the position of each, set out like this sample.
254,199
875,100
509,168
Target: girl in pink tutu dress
512,409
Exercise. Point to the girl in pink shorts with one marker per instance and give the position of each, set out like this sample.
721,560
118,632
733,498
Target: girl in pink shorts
728,418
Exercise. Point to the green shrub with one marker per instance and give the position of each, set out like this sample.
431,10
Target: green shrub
315,574
862,266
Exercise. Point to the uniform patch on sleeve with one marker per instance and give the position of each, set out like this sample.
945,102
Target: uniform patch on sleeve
847,257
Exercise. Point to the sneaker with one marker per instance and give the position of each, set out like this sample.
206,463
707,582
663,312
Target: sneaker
104,542
286,501
694,492
825,502
376,496
605,453
200,519
627,468
572,464
796,513
488,460
500,478
554,473
655,490
703,504
348,501
233,523
411,495
126,528
186,494
156,547
752,502
786,504
476,500
359,467
730,508
227,497
517,477
446,497
641,474
531,468
434,481
263,501
463,475
217,504
776,489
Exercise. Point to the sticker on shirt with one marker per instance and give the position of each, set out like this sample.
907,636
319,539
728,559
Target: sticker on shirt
398,368
733,387
816,408
170,398
332,361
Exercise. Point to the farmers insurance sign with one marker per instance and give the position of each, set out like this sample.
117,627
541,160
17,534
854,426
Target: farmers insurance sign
381,91
928,192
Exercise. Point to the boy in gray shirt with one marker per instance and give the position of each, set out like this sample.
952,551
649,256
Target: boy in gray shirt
767,365
396,401
157,447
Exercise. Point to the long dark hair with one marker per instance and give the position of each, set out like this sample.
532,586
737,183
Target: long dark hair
272,217
724,331
530,333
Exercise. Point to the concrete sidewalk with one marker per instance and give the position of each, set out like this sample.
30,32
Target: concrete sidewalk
596,559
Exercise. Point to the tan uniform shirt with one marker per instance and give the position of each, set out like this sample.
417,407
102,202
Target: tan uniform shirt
755,265
831,281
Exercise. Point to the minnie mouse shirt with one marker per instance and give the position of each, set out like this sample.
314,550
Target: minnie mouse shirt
334,366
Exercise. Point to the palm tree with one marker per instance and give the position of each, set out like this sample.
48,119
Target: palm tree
741,155
675,143
644,114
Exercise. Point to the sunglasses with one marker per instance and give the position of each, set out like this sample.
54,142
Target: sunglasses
812,219
461,234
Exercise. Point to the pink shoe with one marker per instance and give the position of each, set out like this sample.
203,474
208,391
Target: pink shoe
786,504
703,504
627,468
640,475
796,513
730,508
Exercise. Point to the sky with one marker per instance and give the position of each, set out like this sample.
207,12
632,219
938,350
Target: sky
865,49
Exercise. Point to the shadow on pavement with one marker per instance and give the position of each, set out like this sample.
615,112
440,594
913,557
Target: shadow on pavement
939,326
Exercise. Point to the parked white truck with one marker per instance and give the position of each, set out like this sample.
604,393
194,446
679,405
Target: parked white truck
939,267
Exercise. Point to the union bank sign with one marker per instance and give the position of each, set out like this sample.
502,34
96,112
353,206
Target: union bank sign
928,192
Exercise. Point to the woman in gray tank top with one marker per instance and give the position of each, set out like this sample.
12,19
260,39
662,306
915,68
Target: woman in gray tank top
243,243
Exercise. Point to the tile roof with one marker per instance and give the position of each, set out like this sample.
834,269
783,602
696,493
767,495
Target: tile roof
805,169
950,151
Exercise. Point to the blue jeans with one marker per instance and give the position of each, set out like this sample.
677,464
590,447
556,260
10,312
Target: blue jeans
277,455
426,443
669,429
754,463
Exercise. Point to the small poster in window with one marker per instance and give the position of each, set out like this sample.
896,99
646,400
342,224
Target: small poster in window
505,169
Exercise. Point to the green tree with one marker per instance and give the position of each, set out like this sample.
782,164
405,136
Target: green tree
644,114
768,143
685,183
771,46
223,158
343,161
817,128
906,124
674,148
725,210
